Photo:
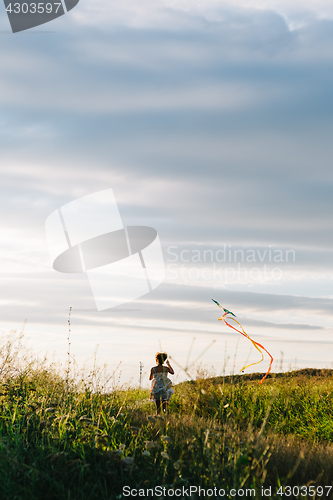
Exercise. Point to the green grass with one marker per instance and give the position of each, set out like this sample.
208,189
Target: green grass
297,403
60,439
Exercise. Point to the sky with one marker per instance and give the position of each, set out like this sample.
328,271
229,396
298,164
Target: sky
212,122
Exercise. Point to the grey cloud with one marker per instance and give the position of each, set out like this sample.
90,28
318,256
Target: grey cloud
282,326
241,299
216,133
254,163
47,297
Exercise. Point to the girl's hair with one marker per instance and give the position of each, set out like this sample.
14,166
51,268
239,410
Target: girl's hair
161,357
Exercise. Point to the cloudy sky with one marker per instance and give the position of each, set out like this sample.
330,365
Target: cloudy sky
212,122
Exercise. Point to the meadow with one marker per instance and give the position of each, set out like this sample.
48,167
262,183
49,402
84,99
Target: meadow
66,437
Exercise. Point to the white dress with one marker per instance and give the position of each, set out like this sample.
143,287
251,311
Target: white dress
161,387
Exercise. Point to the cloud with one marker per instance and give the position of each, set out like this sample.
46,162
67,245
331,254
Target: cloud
212,123
169,12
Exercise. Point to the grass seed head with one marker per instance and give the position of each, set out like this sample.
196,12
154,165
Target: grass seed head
150,445
134,430
127,461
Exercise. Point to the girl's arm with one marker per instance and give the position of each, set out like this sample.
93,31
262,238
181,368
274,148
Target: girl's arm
170,369
151,376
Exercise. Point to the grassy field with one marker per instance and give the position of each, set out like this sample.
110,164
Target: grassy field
68,439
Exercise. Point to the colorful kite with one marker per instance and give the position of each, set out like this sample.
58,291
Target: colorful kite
256,344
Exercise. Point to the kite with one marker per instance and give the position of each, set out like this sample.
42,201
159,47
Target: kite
256,344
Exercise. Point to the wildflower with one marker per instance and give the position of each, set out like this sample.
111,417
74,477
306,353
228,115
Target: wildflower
166,439
150,445
117,453
127,461
145,453
134,430
177,465
164,455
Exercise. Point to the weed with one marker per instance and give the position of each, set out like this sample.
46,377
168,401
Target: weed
61,437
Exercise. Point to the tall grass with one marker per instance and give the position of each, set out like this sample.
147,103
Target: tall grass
64,438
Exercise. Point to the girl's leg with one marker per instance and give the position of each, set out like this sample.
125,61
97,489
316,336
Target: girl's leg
165,406
158,406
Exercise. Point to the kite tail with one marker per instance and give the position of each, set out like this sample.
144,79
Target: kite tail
270,364
253,342
256,345
262,347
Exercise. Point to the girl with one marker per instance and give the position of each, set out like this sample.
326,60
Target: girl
161,385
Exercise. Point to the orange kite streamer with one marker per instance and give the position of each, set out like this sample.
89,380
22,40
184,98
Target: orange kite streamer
256,344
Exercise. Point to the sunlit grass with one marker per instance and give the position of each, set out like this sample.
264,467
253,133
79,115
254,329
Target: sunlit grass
70,438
